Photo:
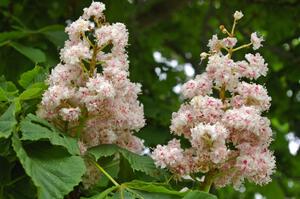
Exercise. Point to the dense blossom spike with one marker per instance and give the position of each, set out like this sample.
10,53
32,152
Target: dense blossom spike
229,138
99,107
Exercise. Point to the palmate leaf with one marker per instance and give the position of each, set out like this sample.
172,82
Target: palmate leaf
34,128
137,162
52,169
8,121
156,190
150,190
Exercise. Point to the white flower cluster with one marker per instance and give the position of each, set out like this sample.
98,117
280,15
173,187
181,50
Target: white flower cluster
89,92
229,138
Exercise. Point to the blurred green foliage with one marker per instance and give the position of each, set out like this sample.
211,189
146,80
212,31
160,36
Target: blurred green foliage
32,32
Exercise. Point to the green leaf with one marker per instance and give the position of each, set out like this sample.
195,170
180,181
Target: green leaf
103,150
34,128
165,192
53,171
137,162
17,103
56,34
3,95
199,195
152,187
4,36
37,74
8,121
34,54
124,194
148,195
110,165
8,90
140,163
103,194
7,85
31,93
152,190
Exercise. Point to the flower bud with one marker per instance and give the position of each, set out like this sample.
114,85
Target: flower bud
203,55
238,15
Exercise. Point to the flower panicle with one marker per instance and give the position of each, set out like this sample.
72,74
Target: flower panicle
90,95
229,137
